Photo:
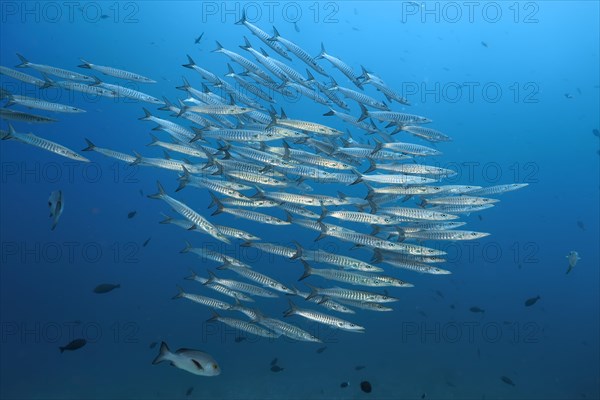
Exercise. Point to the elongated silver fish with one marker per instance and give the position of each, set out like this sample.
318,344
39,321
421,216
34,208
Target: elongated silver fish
298,52
288,330
5,113
47,69
245,326
18,75
262,35
239,286
117,73
341,293
201,222
206,301
30,138
220,288
127,158
258,277
353,278
323,318
339,64
30,102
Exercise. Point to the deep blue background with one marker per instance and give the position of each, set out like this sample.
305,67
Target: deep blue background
531,132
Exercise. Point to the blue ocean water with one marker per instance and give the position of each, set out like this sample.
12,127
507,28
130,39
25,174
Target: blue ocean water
515,85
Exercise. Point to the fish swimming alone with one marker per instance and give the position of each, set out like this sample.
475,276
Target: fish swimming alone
73,345
106,287
192,361
56,204
573,258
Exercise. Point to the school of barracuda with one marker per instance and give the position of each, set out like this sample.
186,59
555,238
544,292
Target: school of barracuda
253,159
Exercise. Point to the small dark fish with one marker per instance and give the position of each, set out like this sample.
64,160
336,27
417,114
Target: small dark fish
104,16
189,391
452,306
105,288
365,386
424,395
484,44
568,95
321,349
480,217
274,361
276,368
146,242
344,384
581,225
153,345
355,29
131,214
197,40
507,380
359,367
73,345
296,27
596,132
531,301
240,339
439,293
476,310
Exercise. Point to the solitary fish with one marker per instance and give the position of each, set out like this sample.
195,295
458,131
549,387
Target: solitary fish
146,242
56,204
321,349
276,368
476,309
507,380
131,214
189,391
531,301
105,288
73,345
572,257
192,361
197,40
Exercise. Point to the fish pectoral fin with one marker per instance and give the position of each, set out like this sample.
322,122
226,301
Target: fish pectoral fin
197,364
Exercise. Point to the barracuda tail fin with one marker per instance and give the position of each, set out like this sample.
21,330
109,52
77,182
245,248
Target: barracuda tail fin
183,180
219,47
161,192
242,19
190,64
292,310
86,64
364,113
217,202
322,53
307,270
90,146
180,294
147,115
24,62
